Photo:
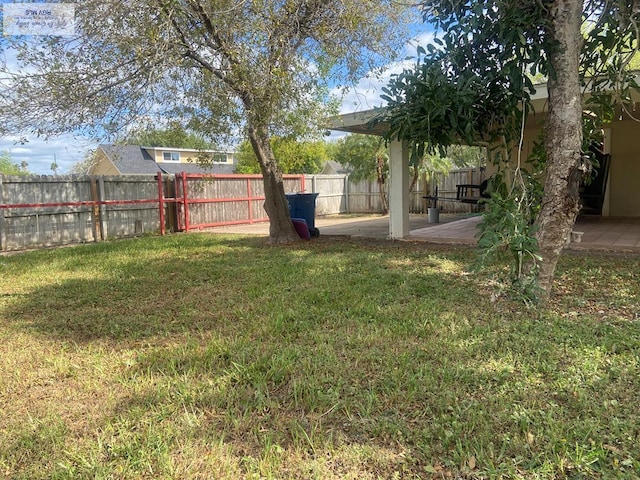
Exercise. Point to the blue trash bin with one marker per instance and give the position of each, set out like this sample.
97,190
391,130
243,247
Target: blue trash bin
303,205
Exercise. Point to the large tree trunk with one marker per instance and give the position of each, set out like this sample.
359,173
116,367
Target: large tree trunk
563,140
281,229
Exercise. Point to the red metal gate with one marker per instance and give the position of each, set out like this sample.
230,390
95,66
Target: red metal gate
39,211
204,201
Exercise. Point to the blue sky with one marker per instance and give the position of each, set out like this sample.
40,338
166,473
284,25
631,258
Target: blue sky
67,150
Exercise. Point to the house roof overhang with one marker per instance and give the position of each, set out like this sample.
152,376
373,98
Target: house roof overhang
361,122
358,122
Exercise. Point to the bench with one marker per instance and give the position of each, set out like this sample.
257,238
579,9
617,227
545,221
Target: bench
472,193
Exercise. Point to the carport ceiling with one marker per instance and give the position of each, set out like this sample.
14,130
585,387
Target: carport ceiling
358,122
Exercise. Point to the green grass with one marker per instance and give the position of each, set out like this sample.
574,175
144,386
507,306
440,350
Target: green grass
202,356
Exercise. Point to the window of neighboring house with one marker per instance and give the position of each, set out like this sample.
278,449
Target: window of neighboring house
219,158
171,156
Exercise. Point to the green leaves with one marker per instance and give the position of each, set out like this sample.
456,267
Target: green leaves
292,156
473,87
428,105
476,85
507,234
174,135
360,154
7,167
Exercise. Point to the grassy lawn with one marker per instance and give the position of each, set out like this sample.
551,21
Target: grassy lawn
201,356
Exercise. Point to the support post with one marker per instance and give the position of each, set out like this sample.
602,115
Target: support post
250,199
398,190
607,191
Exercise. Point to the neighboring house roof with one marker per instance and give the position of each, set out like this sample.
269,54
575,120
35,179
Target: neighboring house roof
136,160
130,159
332,167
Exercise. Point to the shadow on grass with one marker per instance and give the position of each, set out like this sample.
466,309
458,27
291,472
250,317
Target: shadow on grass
519,397
384,358
148,287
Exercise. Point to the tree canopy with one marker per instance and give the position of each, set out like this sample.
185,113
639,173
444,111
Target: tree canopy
82,167
474,85
173,135
367,158
359,153
220,67
8,167
293,156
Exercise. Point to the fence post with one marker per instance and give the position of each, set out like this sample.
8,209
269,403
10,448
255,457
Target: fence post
95,209
172,205
103,216
347,193
250,200
186,201
161,202
3,233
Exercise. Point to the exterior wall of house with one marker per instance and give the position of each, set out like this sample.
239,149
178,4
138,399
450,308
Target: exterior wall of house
532,130
624,174
186,154
103,166
158,154
623,190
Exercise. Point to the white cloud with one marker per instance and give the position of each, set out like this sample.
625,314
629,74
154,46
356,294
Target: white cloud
40,154
365,95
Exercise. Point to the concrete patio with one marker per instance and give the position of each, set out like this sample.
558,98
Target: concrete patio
593,233
599,233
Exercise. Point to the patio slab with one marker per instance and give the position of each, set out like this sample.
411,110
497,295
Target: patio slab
599,233
462,231
353,225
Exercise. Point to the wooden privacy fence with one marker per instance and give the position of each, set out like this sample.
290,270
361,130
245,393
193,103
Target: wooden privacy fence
46,211
205,201
338,194
42,211
54,210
